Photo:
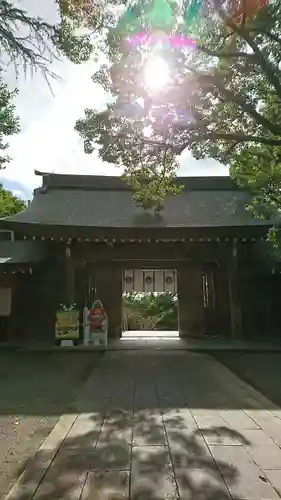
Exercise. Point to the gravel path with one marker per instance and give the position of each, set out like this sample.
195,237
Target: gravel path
36,388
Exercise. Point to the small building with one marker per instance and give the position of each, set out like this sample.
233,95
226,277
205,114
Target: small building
82,237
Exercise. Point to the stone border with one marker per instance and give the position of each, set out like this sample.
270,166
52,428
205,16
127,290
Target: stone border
25,490
266,403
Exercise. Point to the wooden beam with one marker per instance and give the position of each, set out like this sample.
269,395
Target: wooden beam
101,252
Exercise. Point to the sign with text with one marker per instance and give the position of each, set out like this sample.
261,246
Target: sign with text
67,325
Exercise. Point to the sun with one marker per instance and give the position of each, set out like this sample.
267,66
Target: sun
156,73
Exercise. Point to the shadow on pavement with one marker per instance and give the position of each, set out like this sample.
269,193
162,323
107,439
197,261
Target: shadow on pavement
97,464
156,426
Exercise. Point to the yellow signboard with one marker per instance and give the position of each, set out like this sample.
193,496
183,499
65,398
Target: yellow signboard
67,325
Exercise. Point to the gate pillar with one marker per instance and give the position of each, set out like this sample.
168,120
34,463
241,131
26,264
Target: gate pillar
108,284
190,301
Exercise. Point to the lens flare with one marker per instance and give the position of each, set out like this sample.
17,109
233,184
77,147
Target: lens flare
156,73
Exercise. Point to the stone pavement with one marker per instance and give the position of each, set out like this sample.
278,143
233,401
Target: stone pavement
155,425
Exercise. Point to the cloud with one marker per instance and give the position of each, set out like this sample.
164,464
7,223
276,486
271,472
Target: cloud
47,141
189,166
17,188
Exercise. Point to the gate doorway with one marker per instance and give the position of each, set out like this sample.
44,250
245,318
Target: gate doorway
150,304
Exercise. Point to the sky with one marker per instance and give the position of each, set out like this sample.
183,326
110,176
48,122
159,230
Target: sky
48,141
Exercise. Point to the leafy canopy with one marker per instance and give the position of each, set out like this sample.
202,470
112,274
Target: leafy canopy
9,123
9,204
31,43
222,101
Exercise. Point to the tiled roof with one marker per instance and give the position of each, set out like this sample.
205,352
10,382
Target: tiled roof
106,202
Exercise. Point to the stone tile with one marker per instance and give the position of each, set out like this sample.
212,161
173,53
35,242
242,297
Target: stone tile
238,420
117,426
124,402
179,426
61,485
276,412
188,385
153,486
221,436
148,429
115,412
243,478
214,428
208,418
150,459
268,422
264,452
274,477
111,455
189,450
198,484
111,433
76,460
106,485
144,403
179,417
84,432
152,475
85,403
171,400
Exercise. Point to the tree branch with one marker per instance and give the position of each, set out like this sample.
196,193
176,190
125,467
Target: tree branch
269,34
268,69
250,110
240,101
238,138
225,55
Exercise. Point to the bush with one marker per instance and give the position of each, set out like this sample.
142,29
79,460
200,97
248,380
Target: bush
150,311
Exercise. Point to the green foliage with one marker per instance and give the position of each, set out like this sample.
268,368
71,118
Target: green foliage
31,43
163,308
9,204
9,123
229,91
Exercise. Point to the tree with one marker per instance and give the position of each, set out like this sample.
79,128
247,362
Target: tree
9,123
222,101
31,43
9,204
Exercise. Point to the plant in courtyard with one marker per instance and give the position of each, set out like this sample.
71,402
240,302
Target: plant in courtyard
221,100
151,311
66,306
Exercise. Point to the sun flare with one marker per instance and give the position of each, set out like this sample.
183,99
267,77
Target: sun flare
156,73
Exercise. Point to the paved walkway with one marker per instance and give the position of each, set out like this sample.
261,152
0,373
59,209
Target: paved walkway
155,425
171,341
